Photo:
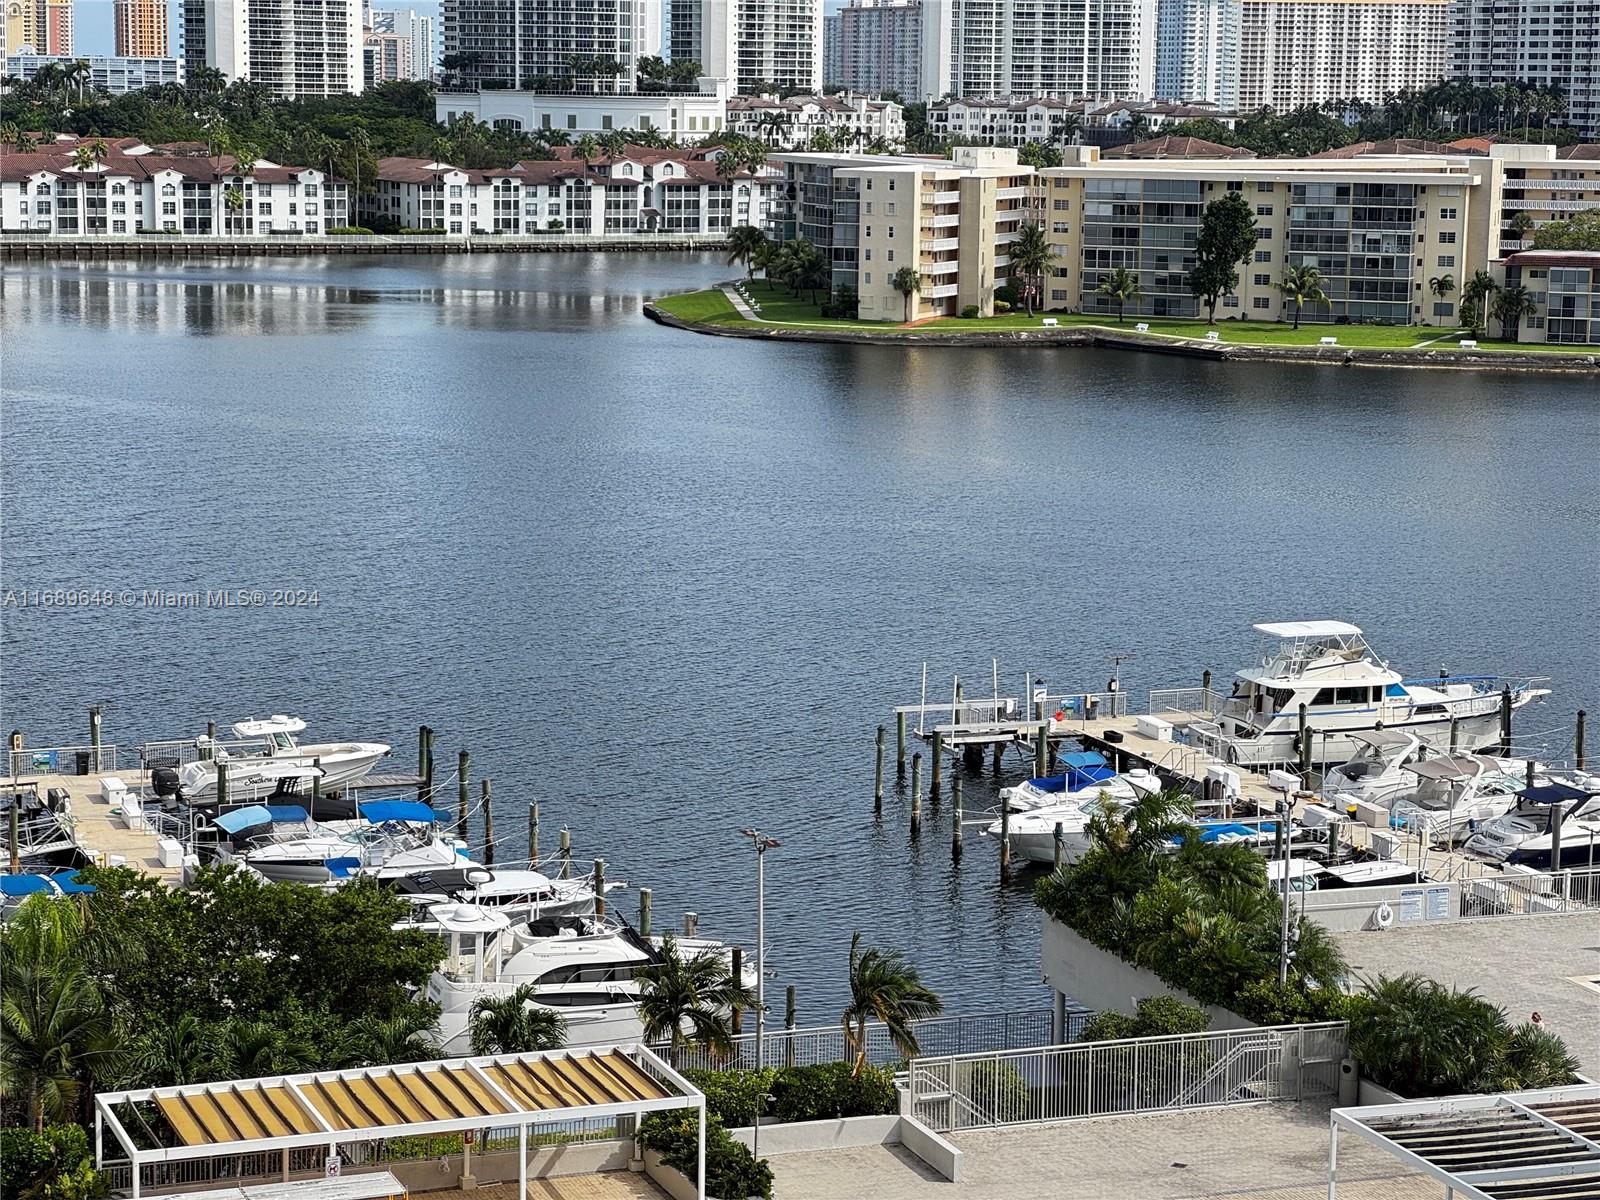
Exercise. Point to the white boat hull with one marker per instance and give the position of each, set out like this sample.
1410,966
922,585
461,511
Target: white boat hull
1332,740
341,766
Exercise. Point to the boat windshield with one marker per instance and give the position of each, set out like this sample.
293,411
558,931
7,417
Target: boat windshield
282,742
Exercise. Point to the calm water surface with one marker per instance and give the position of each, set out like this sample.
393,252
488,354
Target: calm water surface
668,585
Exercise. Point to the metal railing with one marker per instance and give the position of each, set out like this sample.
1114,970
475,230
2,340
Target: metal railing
970,1033
197,749
61,760
1573,889
1203,701
1091,1079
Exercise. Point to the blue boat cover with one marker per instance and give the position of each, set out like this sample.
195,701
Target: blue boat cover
340,868
1082,758
1553,793
288,812
379,811
68,882
239,819
23,885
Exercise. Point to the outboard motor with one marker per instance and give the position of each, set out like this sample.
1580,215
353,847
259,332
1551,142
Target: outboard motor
164,781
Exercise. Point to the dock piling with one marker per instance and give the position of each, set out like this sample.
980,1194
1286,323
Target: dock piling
645,900
222,786
488,825
316,786
1583,719
1005,838
916,793
533,834
1058,836
999,749
789,1014
566,853
209,752
691,924
955,821
900,746
877,776
13,842
1455,733
1304,744
422,748
1205,679
737,1013
600,887
1041,740
463,761
1505,720
936,776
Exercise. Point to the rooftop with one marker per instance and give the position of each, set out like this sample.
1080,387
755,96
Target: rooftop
1177,147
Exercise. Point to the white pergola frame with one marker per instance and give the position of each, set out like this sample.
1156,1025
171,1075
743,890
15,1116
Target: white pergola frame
1467,1183
517,1114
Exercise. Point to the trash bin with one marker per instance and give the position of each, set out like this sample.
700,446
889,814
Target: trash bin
83,761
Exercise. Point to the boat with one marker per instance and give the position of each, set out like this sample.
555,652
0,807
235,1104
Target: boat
521,895
341,763
1031,831
1456,793
1328,667
1527,834
392,838
1376,773
251,780
15,889
1080,771
1308,875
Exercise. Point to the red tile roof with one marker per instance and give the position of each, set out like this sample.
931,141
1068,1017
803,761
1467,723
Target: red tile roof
1177,147
1393,146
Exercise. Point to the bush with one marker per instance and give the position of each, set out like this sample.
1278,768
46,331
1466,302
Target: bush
1155,1016
56,1161
1008,293
1001,306
731,1170
1268,1002
826,1091
351,230
731,1096
970,311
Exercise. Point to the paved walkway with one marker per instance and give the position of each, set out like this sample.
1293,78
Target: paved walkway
1260,1152
607,1185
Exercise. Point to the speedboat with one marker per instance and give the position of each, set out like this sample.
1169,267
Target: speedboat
1376,773
1308,875
392,838
1527,834
1082,771
521,895
341,763
1328,667
1031,831
1456,793
249,779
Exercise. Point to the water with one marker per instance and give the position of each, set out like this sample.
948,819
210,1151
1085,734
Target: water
668,585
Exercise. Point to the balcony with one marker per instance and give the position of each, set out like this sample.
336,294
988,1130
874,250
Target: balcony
934,245
943,221
1011,193
940,292
1568,206
1006,237
940,268
940,199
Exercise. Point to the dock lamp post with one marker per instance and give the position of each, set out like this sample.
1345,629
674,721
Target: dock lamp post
762,844
1285,812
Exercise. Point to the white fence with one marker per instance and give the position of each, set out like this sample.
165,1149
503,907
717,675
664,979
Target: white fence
61,760
1064,1083
1519,895
1479,895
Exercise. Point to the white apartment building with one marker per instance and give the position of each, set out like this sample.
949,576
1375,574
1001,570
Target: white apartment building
1102,49
115,73
1552,42
880,46
1197,50
1051,120
642,191
532,44
1295,52
684,116
418,27
294,48
832,51
851,121
755,43
138,189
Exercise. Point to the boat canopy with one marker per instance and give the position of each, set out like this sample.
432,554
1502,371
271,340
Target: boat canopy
1553,793
69,883
1074,779
1451,767
410,811
23,885
1308,629
239,819
1082,759
277,723
1382,739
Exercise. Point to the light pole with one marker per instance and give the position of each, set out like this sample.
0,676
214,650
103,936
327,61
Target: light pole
762,844
1285,809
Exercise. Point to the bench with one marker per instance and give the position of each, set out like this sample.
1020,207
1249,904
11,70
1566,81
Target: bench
1330,341
1050,322
1142,327
1213,336
1469,343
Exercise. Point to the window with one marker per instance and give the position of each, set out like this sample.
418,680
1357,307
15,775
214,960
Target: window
119,206
119,189
1443,308
891,213
168,190
869,230
1447,260
891,233
265,189
572,121
1058,294
1263,187
867,254
1058,227
1263,210
891,184
1447,237
311,189
1263,235
1263,256
264,208
169,208
1236,185
1263,280
605,121
1261,302
1447,214
455,191
1061,204
455,226
869,202
1230,302
455,210
889,255
867,277
119,227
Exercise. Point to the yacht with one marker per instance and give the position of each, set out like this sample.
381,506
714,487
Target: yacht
341,763
1031,831
391,839
1377,772
1083,771
521,895
1456,793
1526,835
1328,667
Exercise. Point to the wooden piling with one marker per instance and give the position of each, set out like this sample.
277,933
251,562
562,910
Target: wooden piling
737,1013
877,775
916,792
789,1014
222,786
316,786
463,798
533,834
1528,779
1455,733
210,751
422,749
488,825
900,746
955,822
1040,741
1305,747
691,924
644,912
1005,838
600,887
1578,759
1205,679
957,713
13,839
937,774
1505,720
999,749
1333,841
1058,836
566,853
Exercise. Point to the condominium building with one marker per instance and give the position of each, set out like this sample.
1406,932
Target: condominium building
874,215
848,120
418,27
832,51
682,116
386,58
1101,49
115,74
588,47
141,28
1564,286
1297,52
880,46
1051,120
641,191
1197,50
702,31
38,27
293,48
756,43
143,189
1551,43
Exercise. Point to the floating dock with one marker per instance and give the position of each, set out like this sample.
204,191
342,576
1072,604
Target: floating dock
104,835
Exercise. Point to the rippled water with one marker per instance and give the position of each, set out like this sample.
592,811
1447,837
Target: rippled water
668,585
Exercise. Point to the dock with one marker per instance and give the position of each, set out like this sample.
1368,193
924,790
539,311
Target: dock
102,834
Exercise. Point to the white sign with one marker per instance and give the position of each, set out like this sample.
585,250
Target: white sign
334,1163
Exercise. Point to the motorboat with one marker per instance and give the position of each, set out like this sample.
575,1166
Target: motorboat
1308,875
521,895
1081,771
392,838
276,738
251,780
1377,772
1528,833
1328,667
1031,831
1455,794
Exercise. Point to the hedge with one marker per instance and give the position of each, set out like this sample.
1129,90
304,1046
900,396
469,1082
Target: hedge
826,1091
732,1172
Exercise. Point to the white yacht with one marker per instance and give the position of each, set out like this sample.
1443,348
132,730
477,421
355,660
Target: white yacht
392,838
1456,793
1526,835
520,895
1347,689
1031,831
1080,771
341,763
1377,772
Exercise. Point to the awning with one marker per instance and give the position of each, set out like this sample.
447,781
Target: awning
1308,629
379,811
1553,793
1453,768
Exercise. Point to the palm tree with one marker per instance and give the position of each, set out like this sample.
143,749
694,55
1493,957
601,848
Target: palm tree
812,271
379,1041
242,1049
1475,298
884,987
1442,285
1120,286
168,1052
82,157
1302,285
586,149
743,244
688,1000
1031,255
1510,306
763,257
1519,226
57,1035
908,283
512,1025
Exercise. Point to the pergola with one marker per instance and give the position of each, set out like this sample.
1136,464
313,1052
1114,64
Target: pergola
286,1112
1542,1145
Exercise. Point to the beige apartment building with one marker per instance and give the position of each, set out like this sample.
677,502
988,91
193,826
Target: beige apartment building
873,215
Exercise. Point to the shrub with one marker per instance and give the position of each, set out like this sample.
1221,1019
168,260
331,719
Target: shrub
350,229
1001,306
1008,293
731,1096
1268,1002
56,1161
1154,1016
731,1170
995,1087
825,1091
970,311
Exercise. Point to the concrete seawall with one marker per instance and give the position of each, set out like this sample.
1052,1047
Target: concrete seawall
16,249
1085,336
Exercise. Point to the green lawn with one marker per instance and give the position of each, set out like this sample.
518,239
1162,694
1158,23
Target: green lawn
779,308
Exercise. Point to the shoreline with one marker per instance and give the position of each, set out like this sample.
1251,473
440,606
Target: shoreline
1096,337
46,249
